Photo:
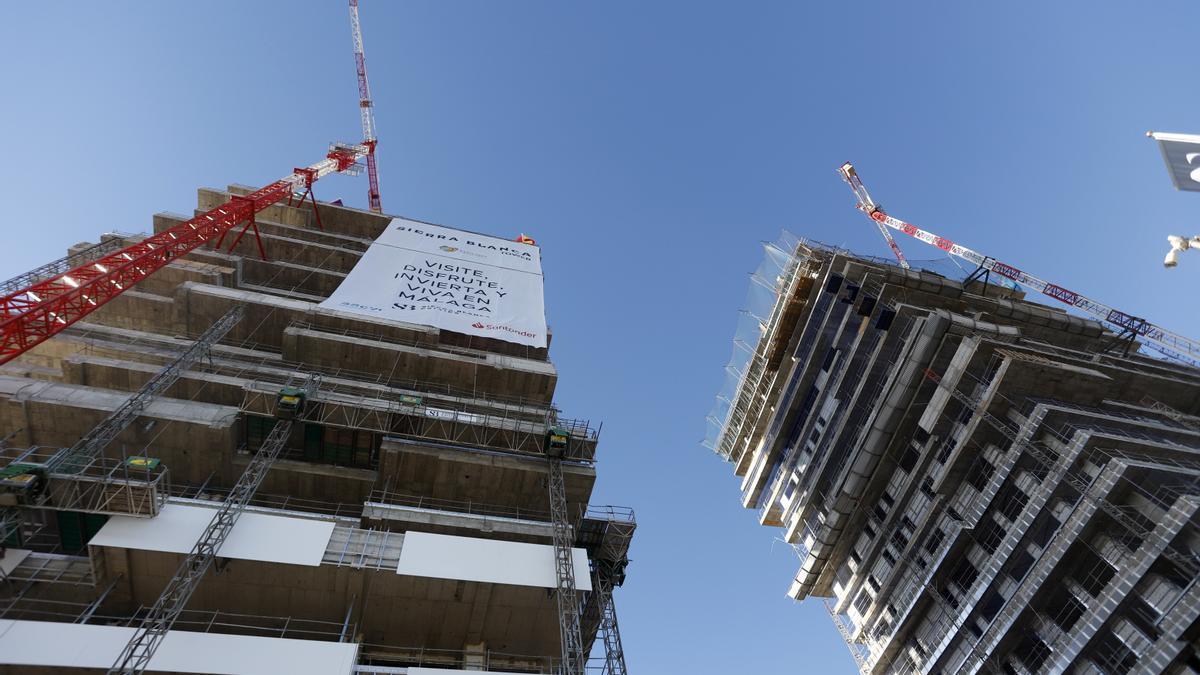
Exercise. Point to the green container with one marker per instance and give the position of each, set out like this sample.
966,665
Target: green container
76,529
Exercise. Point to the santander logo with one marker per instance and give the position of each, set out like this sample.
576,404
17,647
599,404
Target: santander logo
492,326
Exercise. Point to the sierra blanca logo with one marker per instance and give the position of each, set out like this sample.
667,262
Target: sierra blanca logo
469,245
478,325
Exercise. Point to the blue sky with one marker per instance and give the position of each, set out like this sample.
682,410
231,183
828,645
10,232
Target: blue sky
649,147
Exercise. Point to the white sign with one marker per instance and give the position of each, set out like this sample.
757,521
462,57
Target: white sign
450,279
1181,152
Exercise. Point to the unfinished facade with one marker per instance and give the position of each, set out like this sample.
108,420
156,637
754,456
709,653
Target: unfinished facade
972,482
409,523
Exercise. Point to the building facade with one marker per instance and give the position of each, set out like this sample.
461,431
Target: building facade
423,496
972,482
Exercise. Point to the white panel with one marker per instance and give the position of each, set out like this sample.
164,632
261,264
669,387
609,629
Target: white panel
66,645
12,558
256,536
444,556
460,281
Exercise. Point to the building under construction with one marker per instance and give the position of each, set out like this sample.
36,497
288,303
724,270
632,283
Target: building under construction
972,482
213,472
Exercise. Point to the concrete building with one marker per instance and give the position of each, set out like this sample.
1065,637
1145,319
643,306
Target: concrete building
407,526
971,481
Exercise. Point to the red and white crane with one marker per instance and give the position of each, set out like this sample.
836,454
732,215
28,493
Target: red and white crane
366,110
1170,344
865,201
33,313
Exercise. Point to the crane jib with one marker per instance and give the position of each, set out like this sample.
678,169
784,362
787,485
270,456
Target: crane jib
1159,338
1059,293
1007,271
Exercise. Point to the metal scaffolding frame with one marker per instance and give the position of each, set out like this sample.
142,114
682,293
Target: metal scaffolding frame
570,633
447,420
135,657
80,478
57,267
92,444
605,532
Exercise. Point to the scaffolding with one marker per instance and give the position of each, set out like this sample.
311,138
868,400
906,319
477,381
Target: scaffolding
136,655
570,633
81,478
605,532
57,267
469,422
92,444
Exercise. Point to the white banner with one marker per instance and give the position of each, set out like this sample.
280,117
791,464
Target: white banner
450,279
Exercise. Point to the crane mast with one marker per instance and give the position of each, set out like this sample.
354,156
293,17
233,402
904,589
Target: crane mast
366,109
34,313
1172,345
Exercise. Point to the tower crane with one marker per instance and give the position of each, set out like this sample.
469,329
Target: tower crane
864,198
30,314
1172,345
366,109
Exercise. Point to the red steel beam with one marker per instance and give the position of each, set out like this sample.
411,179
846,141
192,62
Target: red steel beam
32,315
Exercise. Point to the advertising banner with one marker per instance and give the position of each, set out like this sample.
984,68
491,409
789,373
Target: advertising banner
450,279
1181,152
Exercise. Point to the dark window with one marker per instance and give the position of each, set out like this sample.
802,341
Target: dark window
934,540
873,582
927,487
1032,652
1019,564
256,430
944,450
1090,570
1011,502
862,602
829,356
981,471
1069,612
887,555
963,575
869,531
909,459
1043,529
990,606
965,414
990,535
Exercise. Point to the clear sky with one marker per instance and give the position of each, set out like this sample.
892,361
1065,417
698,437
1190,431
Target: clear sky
649,147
